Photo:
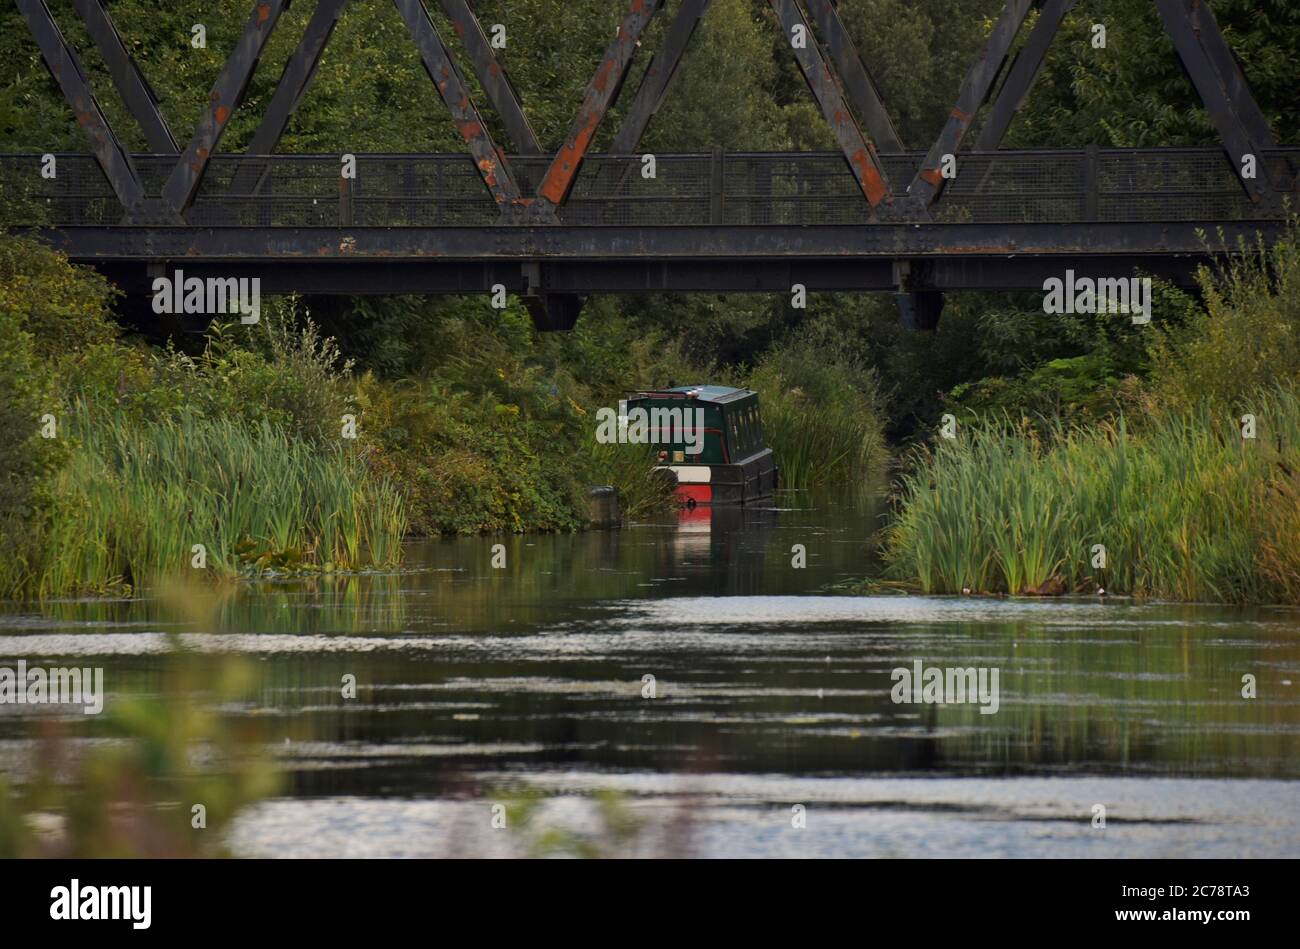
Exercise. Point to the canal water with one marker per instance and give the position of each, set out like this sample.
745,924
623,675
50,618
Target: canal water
519,695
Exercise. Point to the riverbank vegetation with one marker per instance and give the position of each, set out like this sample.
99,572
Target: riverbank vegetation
468,420
1191,494
247,450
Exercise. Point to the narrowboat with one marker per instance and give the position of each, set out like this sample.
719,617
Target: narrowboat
710,440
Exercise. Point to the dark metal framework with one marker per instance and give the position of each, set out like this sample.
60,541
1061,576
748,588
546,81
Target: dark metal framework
130,82
1024,70
492,76
929,181
1222,88
828,59
858,84
297,76
870,148
659,76
817,72
227,93
65,67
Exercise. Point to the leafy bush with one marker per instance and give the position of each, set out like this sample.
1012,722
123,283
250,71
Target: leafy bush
279,370
485,439
822,414
1245,336
50,313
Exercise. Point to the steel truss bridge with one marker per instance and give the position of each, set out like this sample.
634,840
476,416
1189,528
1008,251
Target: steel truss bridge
557,226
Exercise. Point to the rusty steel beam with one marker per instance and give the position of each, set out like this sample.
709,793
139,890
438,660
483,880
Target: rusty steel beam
1024,70
62,62
859,152
492,77
858,85
1224,92
768,245
490,160
600,95
658,76
130,82
1230,75
227,93
297,76
928,183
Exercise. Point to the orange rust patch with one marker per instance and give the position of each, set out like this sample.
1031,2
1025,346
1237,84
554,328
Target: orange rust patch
932,175
263,12
602,77
223,113
872,185
557,182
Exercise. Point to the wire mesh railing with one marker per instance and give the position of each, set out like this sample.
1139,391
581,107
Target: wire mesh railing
736,189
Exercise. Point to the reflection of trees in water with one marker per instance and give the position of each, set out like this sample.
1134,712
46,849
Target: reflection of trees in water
1162,699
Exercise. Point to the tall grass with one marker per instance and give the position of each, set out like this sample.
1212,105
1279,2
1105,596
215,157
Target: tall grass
134,500
822,415
642,493
1186,509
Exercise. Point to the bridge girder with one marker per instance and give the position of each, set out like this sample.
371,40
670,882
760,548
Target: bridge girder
831,65
1200,45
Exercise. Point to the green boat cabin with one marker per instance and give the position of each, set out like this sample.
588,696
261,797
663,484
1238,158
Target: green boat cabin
733,465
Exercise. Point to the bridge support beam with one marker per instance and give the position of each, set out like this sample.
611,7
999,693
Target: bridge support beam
919,305
130,82
1223,90
920,309
289,91
1024,70
227,94
658,76
490,161
860,153
555,312
65,67
297,76
492,77
861,90
928,184
600,95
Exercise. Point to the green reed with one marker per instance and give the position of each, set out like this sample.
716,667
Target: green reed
818,444
135,499
642,492
1186,508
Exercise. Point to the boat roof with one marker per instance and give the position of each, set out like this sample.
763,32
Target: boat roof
700,393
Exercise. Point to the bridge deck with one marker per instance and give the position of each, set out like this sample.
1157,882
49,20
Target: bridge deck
424,223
